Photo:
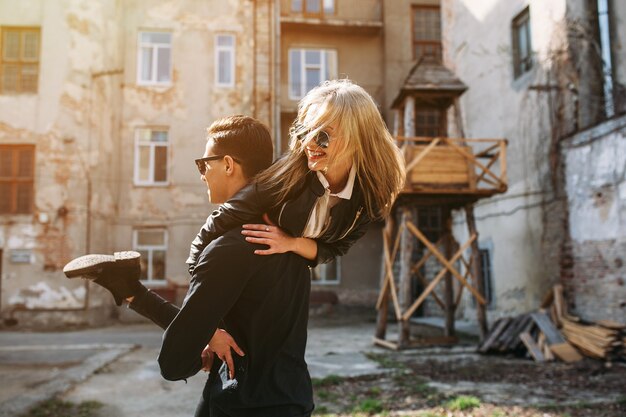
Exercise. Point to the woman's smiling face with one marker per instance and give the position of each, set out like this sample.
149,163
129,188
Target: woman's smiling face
320,158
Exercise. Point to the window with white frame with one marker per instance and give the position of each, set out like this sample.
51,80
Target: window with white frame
313,6
308,68
329,273
154,63
225,60
151,243
151,150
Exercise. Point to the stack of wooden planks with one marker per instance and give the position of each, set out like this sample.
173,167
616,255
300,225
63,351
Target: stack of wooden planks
551,333
603,340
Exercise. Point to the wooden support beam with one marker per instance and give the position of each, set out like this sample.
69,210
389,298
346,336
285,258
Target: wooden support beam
503,173
481,311
424,283
447,264
435,280
388,268
471,158
448,284
487,150
407,243
467,274
493,160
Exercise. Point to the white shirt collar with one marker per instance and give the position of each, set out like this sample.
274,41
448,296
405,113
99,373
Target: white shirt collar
346,193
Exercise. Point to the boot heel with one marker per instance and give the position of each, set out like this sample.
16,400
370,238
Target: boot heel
127,258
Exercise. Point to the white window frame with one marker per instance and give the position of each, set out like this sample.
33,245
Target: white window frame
325,5
152,145
322,67
156,46
321,269
150,249
231,51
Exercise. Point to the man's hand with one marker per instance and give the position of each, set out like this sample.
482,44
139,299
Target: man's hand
207,359
220,344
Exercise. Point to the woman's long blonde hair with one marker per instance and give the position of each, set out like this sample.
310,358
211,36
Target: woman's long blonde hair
362,136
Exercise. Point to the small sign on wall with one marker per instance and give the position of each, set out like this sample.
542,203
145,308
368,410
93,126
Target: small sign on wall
21,256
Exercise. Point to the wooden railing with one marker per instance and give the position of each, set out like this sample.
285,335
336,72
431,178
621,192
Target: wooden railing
454,165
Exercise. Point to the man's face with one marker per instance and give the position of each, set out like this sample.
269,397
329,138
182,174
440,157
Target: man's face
215,177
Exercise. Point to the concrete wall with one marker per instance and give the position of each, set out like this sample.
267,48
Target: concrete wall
69,126
83,120
398,41
595,169
525,253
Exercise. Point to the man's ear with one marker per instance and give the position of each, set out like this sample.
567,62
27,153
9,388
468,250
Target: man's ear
229,164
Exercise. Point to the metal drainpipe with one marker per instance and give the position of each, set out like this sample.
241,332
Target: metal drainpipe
276,78
607,65
254,52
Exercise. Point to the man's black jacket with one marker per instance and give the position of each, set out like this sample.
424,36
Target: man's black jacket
263,302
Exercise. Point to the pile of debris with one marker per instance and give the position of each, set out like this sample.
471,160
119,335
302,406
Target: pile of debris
551,333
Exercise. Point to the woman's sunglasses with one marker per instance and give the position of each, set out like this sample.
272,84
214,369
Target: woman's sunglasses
201,163
321,138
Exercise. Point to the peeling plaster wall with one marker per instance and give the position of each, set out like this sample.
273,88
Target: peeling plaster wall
477,47
186,107
63,122
398,47
595,170
83,120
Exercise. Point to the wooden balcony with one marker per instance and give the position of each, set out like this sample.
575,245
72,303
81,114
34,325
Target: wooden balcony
468,169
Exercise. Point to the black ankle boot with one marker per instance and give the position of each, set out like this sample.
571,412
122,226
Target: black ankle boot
118,273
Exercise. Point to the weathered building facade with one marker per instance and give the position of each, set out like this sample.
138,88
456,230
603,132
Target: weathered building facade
103,107
543,72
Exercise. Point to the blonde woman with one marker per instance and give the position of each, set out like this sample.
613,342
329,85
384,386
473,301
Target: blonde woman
342,171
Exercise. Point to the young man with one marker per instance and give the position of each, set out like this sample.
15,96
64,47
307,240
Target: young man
262,301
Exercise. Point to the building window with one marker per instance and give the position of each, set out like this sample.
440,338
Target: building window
426,31
430,122
155,58
225,60
486,276
308,68
151,149
328,273
313,7
19,60
17,177
152,245
522,51
430,220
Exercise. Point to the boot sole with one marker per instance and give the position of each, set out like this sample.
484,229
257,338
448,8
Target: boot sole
89,264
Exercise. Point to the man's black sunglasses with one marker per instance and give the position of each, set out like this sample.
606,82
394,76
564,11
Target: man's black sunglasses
202,162
321,138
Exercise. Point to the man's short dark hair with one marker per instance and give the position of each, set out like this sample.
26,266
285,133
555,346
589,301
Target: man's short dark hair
244,138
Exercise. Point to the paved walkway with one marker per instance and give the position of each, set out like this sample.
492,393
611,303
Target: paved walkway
117,366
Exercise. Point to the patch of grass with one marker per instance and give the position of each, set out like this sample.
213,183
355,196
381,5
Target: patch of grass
370,406
429,414
327,395
384,360
497,413
320,410
463,402
327,381
59,408
422,389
